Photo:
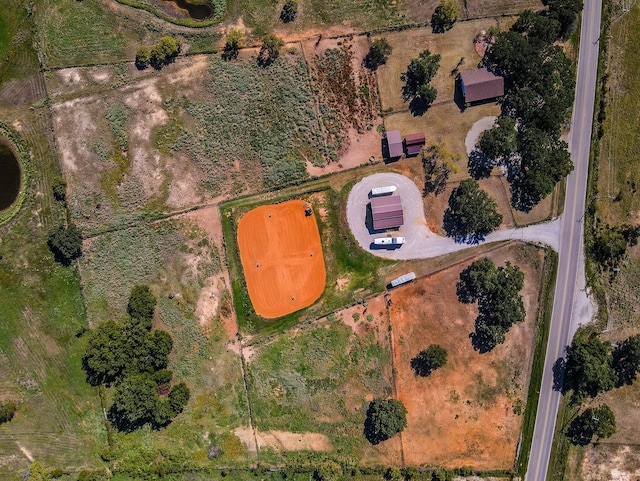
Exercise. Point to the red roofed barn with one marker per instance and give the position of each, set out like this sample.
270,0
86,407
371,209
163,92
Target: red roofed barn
387,212
480,85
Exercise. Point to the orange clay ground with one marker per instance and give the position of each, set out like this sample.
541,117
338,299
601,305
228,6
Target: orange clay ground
282,258
463,414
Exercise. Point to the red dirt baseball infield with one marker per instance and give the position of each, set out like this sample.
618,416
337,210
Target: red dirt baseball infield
282,258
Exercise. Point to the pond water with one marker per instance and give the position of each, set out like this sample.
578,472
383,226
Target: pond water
9,177
199,12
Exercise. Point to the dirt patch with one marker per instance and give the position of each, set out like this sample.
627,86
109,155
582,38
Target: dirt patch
466,411
283,440
282,258
611,463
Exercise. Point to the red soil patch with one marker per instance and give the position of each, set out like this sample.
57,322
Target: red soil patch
282,258
464,413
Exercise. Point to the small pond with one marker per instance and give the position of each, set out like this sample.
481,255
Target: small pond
9,177
199,12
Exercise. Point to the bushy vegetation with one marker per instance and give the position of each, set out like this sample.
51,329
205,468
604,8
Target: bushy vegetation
437,169
59,189
263,118
626,360
289,11
444,16
7,411
233,43
417,89
346,100
164,52
385,419
378,53
539,97
500,305
143,57
429,359
128,355
610,244
471,213
65,243
270,49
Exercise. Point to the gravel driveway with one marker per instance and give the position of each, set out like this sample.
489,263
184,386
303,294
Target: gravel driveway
421,243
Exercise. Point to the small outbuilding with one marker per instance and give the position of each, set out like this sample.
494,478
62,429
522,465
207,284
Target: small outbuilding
414,143
394,143
480,84
387,212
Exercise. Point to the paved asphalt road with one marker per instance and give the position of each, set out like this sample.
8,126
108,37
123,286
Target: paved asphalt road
570,279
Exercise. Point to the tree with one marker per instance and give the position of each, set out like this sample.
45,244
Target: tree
500,141
165,51
142,303
378,53
419,74
588,367
436,169
143,57
537,28
609,247
471,214
289,11
7,411
270,50
599,421
59,188
385,419
234,42
429,359
134,402
444,16
105,358
565,12
626,360
65,243
178,398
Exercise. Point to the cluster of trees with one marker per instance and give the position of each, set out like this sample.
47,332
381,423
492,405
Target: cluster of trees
444,16
471,214
497,292
132,358
540,93
7,411
429,359
594,366
65,243
161,54
598,421
385,419
417,88
610,244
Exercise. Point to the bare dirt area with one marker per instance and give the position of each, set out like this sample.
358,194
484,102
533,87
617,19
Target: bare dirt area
282,258
457,52
610,462
283,440
465,413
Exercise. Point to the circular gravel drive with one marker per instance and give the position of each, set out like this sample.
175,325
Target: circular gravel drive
420,242
471,140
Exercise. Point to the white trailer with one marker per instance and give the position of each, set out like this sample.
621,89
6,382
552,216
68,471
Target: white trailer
403,279
389,241
387,189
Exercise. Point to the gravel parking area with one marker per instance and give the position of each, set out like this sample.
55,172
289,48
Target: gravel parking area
420,242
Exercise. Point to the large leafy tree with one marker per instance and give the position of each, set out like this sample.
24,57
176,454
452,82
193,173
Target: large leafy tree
588,369
626,359
418,76
599,421
65,243
429,359
497,292
471,214
445,15
385,419
500,141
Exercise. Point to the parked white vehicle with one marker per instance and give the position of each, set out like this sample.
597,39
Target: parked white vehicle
388,189
388,241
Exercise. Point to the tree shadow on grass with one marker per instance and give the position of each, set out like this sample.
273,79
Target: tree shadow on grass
453,230
480,165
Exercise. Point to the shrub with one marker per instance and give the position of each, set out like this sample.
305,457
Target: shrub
270,50
234,42
444,16
7,411
385,419
429,359
65,243
289,11
142,303
165,51
143,57
378,53
59,188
